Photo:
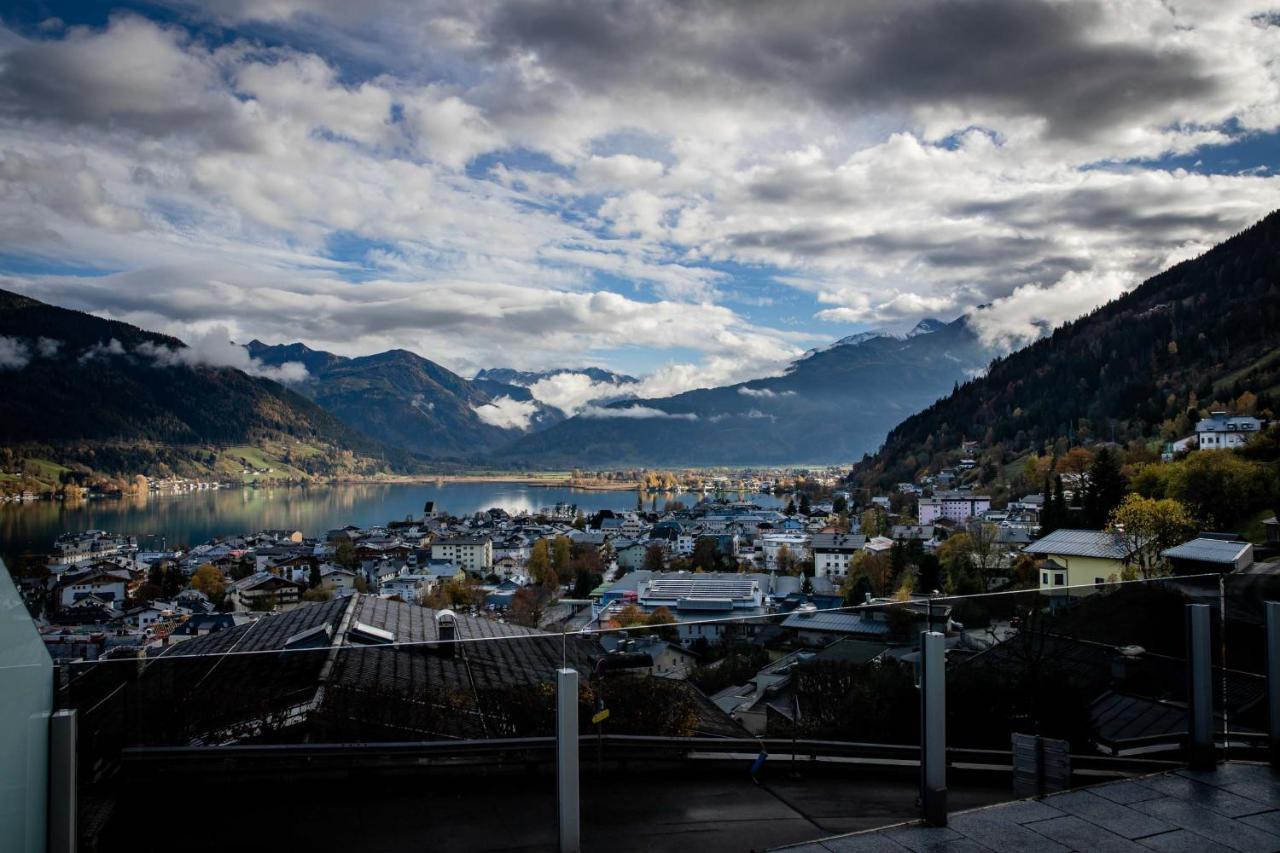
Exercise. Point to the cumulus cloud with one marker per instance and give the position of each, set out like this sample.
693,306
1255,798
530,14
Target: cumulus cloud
636,412
764,392
14,354
571,392
534,182
507,413
214,348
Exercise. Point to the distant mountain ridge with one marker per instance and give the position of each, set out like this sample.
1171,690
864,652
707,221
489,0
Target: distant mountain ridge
831,405
405,400
109,392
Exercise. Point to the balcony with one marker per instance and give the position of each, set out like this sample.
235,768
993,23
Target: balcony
365,723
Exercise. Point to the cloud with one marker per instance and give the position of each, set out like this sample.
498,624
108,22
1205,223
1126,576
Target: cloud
764,392
636,412
48,347
560,180
214,348
14,354
571,392
507,413
101,350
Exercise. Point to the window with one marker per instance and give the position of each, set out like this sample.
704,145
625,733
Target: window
1044,578
1059,578
1099,581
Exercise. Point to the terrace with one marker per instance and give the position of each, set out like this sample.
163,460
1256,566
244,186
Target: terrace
365,723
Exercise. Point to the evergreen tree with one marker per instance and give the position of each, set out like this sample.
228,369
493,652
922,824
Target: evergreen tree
805,506
1062,513
313,576
1105,490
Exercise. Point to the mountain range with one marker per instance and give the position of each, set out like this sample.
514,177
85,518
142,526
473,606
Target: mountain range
111,395
833,404
114,397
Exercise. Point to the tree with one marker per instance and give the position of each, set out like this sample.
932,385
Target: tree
344,554
785,560
790,508
313,576
840,505
1105,488
209,581
560,550
1149,526
539,565
806,508
872,522
528,606
1050,516
654,558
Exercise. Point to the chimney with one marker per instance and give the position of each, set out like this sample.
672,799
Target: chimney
447,631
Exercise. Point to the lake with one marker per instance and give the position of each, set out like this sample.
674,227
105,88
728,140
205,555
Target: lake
199,516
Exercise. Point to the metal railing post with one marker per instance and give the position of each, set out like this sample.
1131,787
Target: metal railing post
567,759
1200,749
1273,679
63,832
933,728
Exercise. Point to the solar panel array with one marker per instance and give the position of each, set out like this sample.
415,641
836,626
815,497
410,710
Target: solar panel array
701,587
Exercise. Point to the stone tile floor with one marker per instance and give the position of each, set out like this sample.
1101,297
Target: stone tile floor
1236,807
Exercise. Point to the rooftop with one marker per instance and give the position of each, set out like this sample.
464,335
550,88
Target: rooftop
1204,550
1082,543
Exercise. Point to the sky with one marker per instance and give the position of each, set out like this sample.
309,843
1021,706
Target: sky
691,192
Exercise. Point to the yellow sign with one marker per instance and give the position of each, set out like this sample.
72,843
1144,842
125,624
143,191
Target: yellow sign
601,716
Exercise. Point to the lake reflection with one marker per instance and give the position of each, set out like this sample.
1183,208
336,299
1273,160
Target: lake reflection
196,517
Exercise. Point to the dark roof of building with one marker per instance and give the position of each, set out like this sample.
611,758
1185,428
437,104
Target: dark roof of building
1082,543
409,684
1205,550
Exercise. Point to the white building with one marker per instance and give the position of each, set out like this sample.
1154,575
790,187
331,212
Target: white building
1220,430
833,553
472,553
955,506
771,543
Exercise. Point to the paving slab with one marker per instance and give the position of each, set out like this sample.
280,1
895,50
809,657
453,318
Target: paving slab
1122,820
1078,834
1209,824
1203,794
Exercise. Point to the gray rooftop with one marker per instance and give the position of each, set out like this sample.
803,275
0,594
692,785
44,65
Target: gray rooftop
1207,551
1082,543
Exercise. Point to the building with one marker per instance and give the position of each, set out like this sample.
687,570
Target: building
771,543
99,581
472,553
1221,431
1080,557
833,553
954,506
264,591
1205,554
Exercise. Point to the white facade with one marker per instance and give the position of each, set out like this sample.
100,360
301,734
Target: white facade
473,554
955,506
1220,431
833,553
770,543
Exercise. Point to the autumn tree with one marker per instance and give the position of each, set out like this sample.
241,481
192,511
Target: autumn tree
1149,526
560,551
209,581
539,565
529,605
654,558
